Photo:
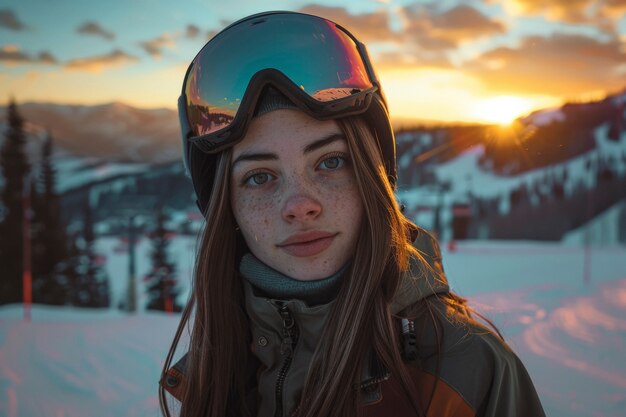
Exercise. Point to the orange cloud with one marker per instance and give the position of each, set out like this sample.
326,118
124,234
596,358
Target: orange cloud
428,33
571,11
367,27
97,63
11,54
93,28
464,22
561,64
432,29
602,14
615,7
417,59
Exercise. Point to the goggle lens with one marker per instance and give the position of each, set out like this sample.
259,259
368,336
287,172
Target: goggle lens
315,54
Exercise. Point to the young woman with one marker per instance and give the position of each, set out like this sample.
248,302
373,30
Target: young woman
313,295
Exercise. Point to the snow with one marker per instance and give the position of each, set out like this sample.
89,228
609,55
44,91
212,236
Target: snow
601,229
465,177
545,117
567,325
74,172
115,252
69,362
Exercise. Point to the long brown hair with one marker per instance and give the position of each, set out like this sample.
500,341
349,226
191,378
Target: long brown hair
360,320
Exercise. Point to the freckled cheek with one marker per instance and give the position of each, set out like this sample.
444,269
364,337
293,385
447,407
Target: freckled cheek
345,200
254,215
340,190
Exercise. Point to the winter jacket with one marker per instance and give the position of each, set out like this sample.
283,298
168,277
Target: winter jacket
478,375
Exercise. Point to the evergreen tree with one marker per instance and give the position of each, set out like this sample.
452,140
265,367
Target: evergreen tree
69,275
92,283
48,235
14,168
162,282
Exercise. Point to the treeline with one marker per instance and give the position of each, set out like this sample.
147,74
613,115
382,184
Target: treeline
43,260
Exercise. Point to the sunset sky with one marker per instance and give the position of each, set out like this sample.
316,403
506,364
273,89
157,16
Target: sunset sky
448,60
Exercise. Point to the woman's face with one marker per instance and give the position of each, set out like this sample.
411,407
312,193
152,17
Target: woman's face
294,194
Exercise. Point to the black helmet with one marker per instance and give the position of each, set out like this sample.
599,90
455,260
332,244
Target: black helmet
316,64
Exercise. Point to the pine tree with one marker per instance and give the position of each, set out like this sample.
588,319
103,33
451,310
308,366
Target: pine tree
92,283
48,235
162,282
69,275
14,169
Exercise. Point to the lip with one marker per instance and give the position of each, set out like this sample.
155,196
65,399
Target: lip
307,243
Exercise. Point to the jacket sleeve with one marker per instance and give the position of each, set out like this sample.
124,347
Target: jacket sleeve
478,366
511,392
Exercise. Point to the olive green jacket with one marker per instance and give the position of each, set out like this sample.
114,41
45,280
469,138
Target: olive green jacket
478,375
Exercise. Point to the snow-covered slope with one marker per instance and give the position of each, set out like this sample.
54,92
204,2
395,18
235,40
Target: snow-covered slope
609,228
465,179
569,332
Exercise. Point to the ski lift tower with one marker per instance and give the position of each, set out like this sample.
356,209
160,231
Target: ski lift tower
131,207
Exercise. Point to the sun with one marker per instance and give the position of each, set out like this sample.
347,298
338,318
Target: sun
502,109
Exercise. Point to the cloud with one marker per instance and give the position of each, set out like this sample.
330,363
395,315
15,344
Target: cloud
433,29
562,64
11,54
97,63
154,47
570,11
367,27
93,28
192,31
615,7
427,35
464,22
9,20
414,60
603,14
46,58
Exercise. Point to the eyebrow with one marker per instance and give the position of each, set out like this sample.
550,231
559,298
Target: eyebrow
268,156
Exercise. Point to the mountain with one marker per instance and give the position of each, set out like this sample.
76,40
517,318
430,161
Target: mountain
548,173
113,131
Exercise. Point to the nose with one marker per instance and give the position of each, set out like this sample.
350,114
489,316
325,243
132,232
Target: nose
301,207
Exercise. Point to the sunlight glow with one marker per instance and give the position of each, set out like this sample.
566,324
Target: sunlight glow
434,94
429,94
502,109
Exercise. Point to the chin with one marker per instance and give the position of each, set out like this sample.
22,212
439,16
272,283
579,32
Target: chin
318,269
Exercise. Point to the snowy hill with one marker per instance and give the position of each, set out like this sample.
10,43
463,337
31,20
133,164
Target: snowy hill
96,143
113,131
549,173
569,332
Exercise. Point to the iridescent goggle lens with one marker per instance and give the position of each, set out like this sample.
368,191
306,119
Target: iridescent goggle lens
316,55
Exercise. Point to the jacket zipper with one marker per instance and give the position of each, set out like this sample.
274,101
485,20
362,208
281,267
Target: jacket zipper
290,338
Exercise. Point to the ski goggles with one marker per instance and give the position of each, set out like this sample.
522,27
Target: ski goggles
314,62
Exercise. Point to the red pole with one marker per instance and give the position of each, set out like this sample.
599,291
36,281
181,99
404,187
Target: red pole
27,279
169,305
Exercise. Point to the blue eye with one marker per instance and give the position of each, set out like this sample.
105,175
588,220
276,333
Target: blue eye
257,179
333,162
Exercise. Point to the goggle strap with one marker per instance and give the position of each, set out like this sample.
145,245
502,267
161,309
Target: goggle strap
185,131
